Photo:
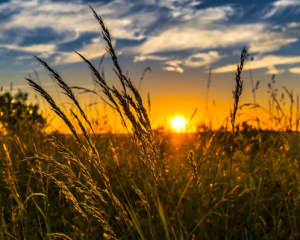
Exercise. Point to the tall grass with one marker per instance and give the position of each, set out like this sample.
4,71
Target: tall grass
149,184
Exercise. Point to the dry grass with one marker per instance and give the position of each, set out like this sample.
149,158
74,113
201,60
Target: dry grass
139,186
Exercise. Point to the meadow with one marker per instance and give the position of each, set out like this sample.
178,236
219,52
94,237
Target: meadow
240,181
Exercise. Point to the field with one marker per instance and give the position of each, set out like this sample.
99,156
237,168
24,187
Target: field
237,182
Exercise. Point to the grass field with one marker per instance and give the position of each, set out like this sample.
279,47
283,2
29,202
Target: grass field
237,182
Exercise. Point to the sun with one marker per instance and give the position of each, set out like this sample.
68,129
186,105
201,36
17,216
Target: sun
178,124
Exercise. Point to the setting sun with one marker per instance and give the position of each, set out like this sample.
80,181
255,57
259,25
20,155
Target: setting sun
178,124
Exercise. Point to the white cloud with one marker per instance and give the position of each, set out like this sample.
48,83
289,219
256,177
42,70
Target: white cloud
75,18
280,5
174,63
269,62
35,48
286,3
273,70
271,42
258,35
69,21
174,66
149,57
195,60
24,57
202,59
210,15
295,70
188,28
179,9
185,11
89,51
174,69
293,24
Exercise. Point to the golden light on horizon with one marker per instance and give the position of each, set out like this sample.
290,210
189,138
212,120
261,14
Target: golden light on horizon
178,124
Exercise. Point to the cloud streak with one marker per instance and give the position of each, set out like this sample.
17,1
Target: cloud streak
174,65
90,51
258,36
295,70
268,62
280,5
203,59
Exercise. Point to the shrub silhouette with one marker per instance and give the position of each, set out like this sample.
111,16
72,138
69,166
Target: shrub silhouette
18,116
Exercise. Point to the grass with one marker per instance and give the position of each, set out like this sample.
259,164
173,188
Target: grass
237,182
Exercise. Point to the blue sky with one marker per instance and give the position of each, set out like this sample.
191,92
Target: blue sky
177,39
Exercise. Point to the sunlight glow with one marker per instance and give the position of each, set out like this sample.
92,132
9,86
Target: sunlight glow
178,124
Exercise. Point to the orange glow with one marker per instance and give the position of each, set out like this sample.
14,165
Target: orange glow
165,111
178,124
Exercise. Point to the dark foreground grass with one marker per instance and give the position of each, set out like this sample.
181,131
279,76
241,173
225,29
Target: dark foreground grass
263,197
233,183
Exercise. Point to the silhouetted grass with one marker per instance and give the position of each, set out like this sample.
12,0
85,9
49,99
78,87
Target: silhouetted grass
231,183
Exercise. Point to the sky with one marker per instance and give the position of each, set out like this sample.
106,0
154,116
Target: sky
179,40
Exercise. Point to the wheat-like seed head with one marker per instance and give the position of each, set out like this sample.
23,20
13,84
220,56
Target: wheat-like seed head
238,88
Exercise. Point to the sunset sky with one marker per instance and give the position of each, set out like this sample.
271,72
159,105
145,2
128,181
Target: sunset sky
178,40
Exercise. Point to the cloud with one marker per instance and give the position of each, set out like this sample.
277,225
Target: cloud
271,42
35,48
273,70
258,36
174,63
148,57
210,15
295,70
173,69
89,51
280,5
194,60
75,18
202,59
68,21
24,57
174,66
269,62
178,9
286,3
153,28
